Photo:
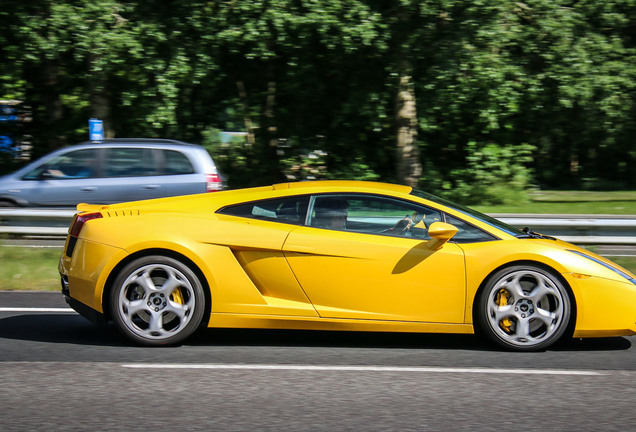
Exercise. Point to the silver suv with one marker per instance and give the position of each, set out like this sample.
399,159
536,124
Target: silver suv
110,171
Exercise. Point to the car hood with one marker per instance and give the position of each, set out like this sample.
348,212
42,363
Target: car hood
580,260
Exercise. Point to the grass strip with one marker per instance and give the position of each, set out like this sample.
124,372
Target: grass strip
570,202
29,268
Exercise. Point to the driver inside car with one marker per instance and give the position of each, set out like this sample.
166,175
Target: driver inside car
404,226
331,213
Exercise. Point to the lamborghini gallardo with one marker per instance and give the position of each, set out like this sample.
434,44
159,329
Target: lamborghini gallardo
335,255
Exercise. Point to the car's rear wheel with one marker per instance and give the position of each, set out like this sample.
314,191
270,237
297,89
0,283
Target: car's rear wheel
157,300
524,308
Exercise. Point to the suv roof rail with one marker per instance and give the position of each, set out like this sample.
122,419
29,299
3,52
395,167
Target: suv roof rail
139,140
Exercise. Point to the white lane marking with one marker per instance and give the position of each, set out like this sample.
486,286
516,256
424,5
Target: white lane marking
25,309
362,369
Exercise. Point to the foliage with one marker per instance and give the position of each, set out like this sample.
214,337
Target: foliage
232,158
8,163
314,165
494,175
315,82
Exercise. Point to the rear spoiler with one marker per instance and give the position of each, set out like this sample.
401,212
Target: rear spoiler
83,207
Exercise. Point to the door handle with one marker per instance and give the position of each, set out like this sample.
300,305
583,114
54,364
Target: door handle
152,186
88,188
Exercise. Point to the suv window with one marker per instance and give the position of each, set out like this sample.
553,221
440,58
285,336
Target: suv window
177,163
291,210
72,165
130,162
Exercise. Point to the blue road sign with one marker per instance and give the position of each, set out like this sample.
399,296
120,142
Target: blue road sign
6,143
95,130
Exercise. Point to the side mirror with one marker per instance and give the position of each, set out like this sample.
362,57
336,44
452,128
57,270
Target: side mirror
440,233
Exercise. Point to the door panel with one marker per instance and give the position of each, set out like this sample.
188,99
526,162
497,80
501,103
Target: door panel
367,276
257,247
64,180
66,192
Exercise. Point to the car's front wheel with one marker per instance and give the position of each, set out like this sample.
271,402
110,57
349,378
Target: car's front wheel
157,300
524,308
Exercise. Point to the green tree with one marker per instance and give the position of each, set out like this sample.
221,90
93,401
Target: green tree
418,92
301,79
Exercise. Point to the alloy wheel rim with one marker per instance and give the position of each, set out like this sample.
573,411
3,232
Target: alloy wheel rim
526,307
156,301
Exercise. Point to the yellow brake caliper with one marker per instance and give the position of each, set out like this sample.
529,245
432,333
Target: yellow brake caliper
177,296
501,299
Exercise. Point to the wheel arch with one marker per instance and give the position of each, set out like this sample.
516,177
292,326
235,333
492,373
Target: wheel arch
10,202
572,321
108,286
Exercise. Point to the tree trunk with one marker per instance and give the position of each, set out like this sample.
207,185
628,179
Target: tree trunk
271,150
54,108
100,109
247,119
272,129
100,101
409,166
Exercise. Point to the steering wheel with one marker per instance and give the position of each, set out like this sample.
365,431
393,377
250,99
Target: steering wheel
402,226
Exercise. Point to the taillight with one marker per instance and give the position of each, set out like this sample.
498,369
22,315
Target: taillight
76,227
213,182
79,222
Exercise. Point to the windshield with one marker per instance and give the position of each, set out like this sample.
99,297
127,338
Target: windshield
509,229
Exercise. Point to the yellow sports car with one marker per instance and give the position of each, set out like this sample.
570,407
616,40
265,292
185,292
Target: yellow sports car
335,255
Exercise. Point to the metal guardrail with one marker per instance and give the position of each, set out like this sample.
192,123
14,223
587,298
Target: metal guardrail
579,229
35,222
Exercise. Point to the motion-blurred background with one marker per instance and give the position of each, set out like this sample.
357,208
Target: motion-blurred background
477,100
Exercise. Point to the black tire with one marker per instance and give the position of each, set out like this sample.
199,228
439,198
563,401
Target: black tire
157,301
524,308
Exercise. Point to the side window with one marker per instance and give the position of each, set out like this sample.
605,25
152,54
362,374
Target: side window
373,215
177,163
77,164
130,162
291,210
467,233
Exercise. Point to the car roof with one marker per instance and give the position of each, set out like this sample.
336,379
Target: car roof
308,187
135,142
356,184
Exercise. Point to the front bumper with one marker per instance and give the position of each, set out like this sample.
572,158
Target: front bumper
605,308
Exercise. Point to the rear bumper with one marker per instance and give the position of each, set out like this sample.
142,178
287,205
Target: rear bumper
87,312
84,275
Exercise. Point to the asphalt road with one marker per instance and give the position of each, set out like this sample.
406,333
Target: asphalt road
59,372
